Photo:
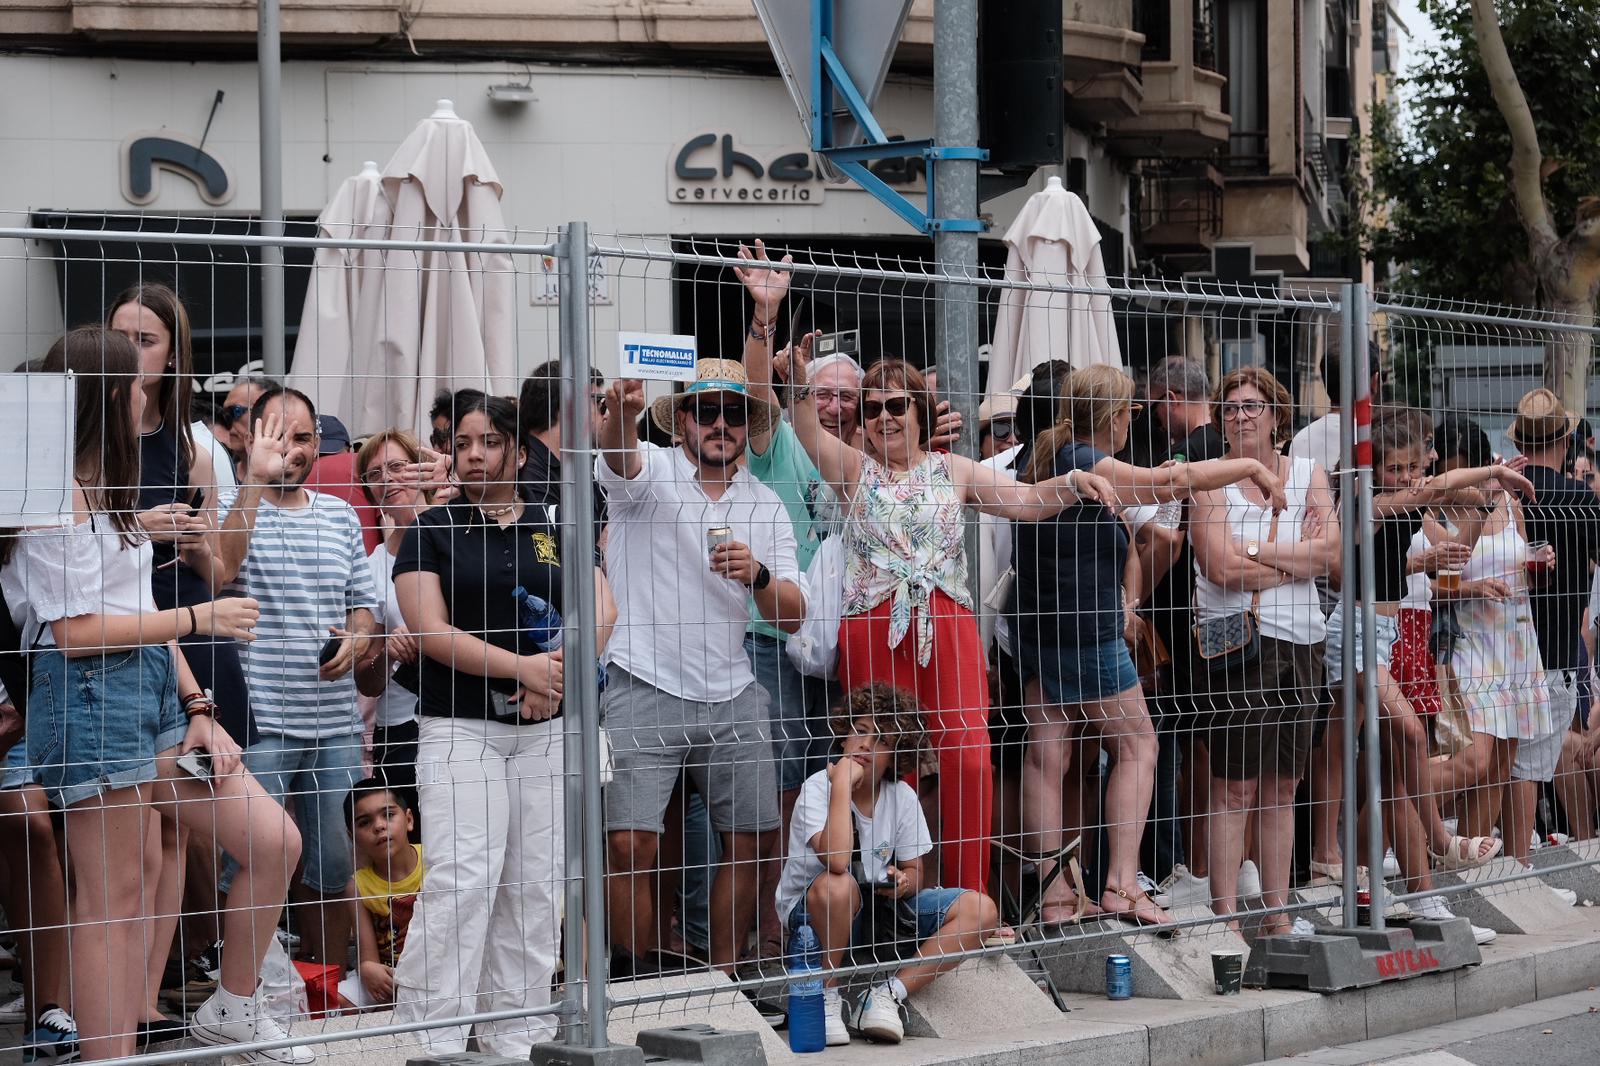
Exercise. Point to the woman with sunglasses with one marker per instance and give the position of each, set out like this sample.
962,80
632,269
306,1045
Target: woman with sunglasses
908,614
1251,558
1068,616
392,469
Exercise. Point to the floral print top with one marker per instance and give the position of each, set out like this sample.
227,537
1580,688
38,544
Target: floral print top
903,540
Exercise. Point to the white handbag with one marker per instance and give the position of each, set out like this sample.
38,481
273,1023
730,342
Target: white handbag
814,648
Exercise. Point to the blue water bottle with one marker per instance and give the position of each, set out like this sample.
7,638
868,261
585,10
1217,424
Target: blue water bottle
541,623
807,1031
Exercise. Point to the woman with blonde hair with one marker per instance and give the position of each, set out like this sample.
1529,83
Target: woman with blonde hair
1068,615
392,472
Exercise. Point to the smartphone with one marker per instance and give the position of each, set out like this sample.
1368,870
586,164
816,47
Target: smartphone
329,650
197,501
196,763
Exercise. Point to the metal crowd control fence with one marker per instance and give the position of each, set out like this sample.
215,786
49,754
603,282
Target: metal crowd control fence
1251,796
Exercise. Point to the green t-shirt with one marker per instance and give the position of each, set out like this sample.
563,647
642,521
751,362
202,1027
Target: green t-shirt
813,508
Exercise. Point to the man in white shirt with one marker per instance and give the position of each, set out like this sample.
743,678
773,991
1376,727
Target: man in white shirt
693,539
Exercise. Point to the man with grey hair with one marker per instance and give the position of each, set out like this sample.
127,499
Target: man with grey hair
1180,398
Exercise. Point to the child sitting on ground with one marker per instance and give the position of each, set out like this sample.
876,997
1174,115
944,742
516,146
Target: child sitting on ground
882,735
387,879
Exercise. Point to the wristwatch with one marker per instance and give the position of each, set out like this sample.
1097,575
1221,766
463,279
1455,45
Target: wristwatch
763,578
1252,550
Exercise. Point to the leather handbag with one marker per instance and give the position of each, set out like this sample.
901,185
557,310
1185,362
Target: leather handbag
1232,641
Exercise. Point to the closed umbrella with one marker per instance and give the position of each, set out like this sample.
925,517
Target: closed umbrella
322,367
440,318
1053,241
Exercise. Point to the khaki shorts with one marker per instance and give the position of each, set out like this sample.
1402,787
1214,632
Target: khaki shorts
1266,712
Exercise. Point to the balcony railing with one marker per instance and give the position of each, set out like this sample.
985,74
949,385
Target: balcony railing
1153,18
1247,152
1180,206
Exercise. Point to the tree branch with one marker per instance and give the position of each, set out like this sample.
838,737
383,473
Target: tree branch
1526,158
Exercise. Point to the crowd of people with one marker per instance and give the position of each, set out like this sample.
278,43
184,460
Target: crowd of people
263,666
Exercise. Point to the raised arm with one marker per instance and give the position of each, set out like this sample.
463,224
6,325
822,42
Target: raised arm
767,288
837,462
619,431
263,465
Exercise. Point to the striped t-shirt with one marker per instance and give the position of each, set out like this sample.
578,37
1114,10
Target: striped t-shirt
308,567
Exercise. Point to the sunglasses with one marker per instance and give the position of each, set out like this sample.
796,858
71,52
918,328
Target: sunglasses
232,413
897,406
1002,430
707,414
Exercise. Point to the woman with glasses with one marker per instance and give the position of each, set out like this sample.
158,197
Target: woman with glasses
392,470
487,925
908,617
1253,559
1069,612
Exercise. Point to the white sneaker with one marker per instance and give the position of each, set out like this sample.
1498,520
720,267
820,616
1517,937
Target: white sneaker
1302,927
229,1019
1433,907
1182,888
1249,881
1566,895
1391,865
833,1018
1146,884
877,1016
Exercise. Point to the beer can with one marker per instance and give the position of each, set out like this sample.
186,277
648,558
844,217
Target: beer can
1119,977
1363,908
717,536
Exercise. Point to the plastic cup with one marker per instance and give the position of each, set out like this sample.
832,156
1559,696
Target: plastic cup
1449,580
1227,969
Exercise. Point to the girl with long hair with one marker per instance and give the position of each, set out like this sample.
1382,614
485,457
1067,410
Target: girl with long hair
113,706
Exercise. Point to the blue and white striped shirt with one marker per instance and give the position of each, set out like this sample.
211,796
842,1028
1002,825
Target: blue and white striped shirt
308,567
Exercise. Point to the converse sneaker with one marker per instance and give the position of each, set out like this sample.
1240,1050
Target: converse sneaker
877,1016
1182,888
833,1018
54,1039
1433,907
1391,864
229,1019
1249,881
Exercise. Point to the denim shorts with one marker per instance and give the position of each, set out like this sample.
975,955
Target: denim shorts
931,904
1079,673
1386,630
96,723
17,772
314,774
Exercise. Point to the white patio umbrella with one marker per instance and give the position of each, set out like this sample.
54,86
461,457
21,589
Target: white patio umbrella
443,318
359,210
1053,241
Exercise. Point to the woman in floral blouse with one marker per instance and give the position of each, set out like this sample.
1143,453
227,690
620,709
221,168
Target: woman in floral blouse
908,617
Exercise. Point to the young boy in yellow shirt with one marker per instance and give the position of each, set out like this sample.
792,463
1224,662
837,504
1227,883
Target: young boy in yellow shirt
388,876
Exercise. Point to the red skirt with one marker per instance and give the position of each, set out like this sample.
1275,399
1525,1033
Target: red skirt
1412,666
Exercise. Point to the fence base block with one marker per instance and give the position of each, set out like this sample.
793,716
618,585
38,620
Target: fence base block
562,1055
464,1058
1357,958
1526,906
1179,968
1585,880
946,1007
705,997
702,1043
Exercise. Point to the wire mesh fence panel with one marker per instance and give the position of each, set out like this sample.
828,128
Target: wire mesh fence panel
1100,640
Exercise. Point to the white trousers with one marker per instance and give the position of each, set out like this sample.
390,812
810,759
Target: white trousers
487,925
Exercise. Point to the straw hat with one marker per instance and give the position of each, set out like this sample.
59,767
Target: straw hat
715,375
1540,420
996,407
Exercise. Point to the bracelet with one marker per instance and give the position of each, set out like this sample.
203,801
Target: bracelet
201,708
762,331
194,626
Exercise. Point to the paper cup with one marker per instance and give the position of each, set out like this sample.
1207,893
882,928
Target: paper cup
1227,968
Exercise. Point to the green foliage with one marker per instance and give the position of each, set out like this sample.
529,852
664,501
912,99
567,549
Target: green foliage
1440,180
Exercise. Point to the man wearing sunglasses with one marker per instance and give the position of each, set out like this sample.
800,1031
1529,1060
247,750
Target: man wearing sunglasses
693,540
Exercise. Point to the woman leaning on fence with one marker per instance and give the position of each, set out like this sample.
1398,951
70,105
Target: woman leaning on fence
1068,615
908,617
489,765
1259,566
113,706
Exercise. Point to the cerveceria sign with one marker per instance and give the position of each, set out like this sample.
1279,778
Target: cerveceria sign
713,168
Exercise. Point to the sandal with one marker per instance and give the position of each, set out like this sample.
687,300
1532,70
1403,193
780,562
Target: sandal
1463,853
1334,872
1132,915
1003,936
1080,897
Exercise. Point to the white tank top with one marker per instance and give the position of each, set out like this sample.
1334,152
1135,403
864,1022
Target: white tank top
1419,591
1291,612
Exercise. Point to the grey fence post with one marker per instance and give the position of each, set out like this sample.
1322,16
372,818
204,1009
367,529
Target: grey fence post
1350,333
1369,614
578,594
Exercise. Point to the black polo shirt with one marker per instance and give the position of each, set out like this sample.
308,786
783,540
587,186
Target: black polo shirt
480,564
540,478
1567,514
